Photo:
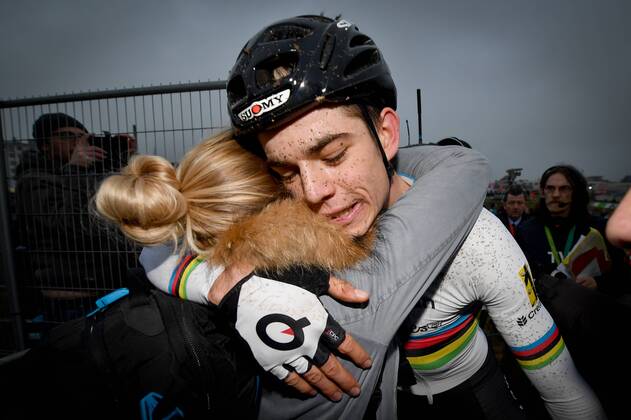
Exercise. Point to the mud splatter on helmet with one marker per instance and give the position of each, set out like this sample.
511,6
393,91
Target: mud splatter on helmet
323,61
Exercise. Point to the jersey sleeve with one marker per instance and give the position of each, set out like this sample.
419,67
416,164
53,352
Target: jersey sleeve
187,276
502,280
418,236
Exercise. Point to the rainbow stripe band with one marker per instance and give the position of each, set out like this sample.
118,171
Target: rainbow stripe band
542,352
434,350
181,273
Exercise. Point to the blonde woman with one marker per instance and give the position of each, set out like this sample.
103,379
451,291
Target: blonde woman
221,209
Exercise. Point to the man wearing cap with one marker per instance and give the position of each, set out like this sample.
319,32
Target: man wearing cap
55,183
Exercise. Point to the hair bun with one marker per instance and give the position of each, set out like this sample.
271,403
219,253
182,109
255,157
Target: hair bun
144,200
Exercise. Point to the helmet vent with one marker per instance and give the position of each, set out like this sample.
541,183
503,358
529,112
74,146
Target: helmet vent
359,40
275,69
285,32
236,89
362,61
327,51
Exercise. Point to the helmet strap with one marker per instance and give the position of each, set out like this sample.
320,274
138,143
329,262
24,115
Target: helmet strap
375,136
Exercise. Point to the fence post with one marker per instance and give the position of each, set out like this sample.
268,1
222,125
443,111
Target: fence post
7,251
419,112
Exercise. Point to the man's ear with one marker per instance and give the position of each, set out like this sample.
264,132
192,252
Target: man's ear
389,131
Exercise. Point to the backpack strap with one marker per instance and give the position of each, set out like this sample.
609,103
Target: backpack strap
94,337
178,320
171,315
93,334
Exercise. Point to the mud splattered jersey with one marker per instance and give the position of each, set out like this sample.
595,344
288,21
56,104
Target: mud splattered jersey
446,345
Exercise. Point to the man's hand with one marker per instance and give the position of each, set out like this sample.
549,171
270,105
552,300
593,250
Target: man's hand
132,144
346,292
85,155
587,281
289,331
332,374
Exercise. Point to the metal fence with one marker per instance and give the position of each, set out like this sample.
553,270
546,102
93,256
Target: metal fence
56,256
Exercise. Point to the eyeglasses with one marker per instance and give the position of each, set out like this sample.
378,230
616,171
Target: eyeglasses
69,135
563,189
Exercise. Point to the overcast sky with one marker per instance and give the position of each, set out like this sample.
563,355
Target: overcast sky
529,83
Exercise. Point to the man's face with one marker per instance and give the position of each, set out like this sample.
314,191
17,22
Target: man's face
557,193
63,142
328,158
515,205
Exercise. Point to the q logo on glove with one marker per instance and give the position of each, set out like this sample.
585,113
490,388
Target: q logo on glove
294,330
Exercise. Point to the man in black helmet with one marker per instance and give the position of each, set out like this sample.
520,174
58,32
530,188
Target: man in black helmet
315,96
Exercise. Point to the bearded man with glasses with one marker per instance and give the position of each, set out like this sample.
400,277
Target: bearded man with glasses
563,235
588,292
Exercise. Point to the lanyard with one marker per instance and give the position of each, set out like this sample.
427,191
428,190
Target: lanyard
553,248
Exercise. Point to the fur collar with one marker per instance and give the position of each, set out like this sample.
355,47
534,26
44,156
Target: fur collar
288,233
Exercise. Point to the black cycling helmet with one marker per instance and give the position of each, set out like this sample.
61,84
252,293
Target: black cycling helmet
325,61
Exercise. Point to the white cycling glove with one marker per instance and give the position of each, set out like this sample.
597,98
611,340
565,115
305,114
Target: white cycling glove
285,326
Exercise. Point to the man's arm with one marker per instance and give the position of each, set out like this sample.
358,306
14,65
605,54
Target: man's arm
505,284
419,235
193,278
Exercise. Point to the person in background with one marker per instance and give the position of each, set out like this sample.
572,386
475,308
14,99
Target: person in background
563,237
63,253
582,280
514,209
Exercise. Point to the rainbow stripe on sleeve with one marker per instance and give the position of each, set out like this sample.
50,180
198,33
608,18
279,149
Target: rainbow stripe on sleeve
434,350
181,273
542,352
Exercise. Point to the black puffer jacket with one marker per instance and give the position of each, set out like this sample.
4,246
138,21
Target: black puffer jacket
60,246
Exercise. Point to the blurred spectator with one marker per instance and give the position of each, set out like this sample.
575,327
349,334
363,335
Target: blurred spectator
63,253
563,236
513,212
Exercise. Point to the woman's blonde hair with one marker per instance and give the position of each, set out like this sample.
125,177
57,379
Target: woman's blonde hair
216,184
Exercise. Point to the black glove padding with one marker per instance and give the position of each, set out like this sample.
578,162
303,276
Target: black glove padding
313,279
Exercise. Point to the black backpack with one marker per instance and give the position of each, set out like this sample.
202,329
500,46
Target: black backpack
142,354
